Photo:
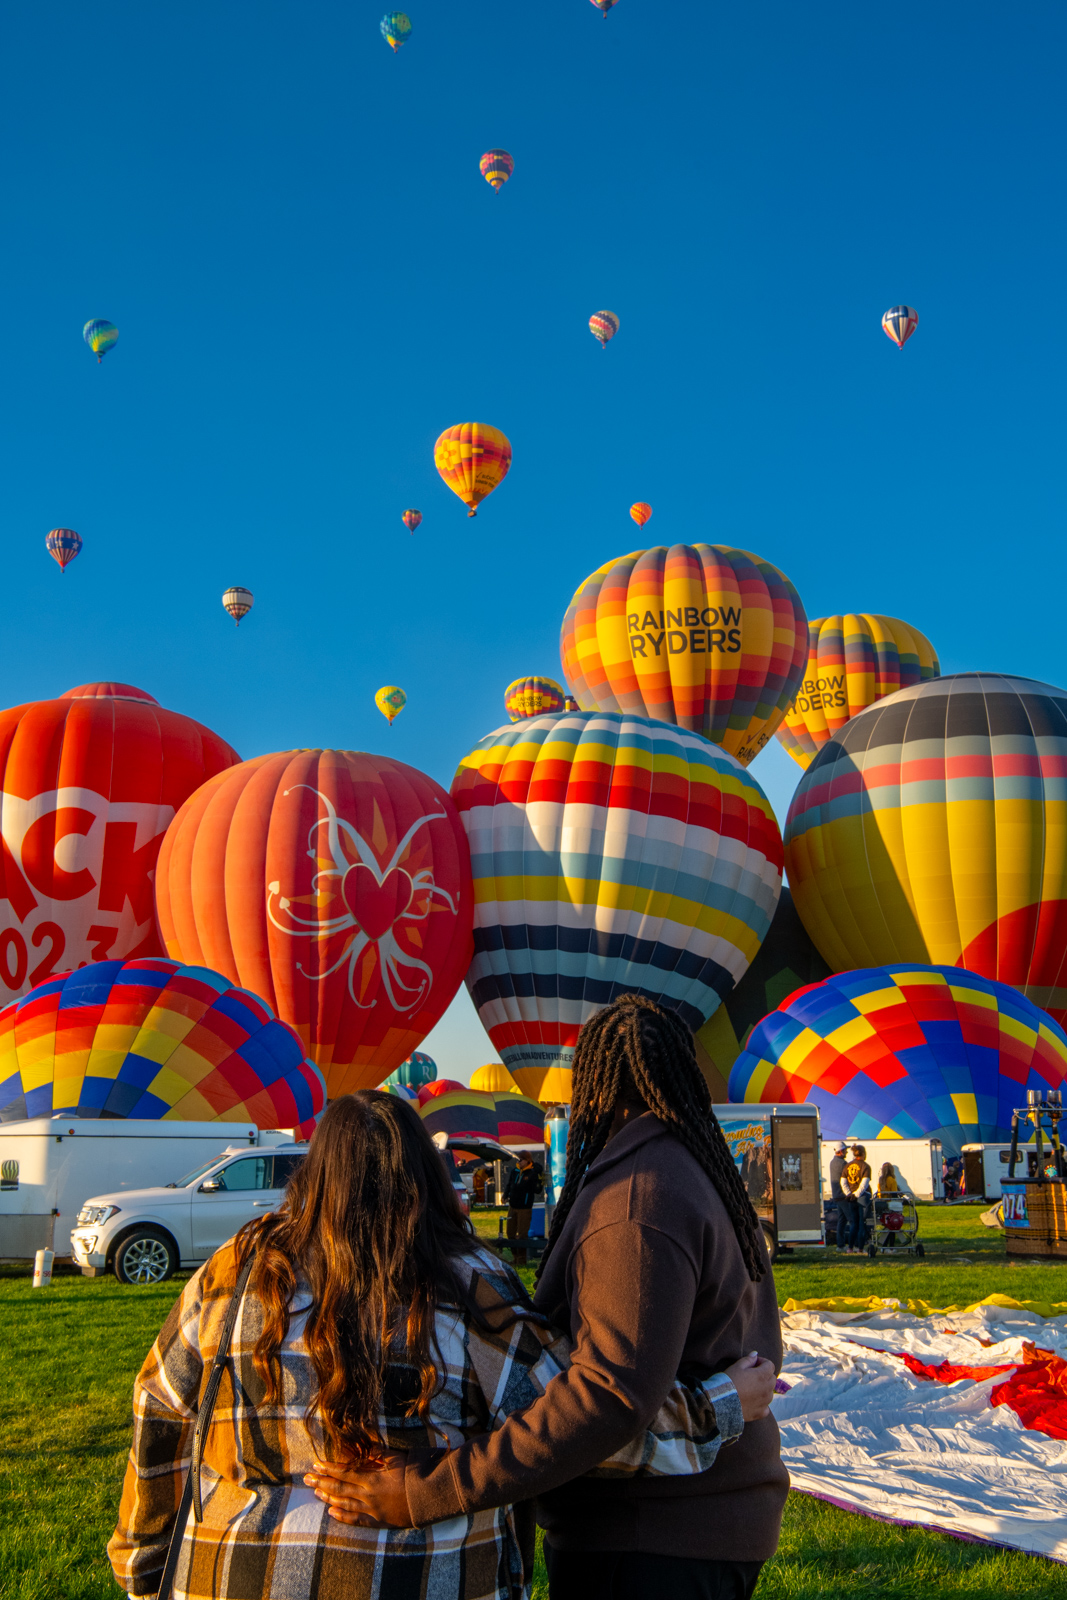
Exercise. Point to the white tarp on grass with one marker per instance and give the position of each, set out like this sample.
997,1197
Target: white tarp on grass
860,1430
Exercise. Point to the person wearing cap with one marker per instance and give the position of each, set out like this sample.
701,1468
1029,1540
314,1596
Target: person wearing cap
838,1163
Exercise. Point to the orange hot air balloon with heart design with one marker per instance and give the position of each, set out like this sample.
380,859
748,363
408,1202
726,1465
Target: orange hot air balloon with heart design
337,886
473,459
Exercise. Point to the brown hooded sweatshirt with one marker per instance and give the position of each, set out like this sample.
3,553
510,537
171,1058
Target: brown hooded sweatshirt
648,1278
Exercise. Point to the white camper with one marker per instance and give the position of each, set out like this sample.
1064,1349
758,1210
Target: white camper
50,1165
916,1164
985,1165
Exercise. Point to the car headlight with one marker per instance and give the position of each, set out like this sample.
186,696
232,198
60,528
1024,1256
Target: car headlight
96,1214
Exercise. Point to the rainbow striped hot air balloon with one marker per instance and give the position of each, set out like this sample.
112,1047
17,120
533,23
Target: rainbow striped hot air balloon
603,325
395,29
463,1113
473,459
900,322
931,829
100,335
711,638
853,661
520,1120
904,1052
611,855
496,167
153,1039
530,697
63,544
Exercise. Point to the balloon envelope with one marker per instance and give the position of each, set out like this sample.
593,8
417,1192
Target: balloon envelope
530,697
932,828
904,1052
462,1113
611,855
417,1070
238,602
337,885
853,661
520,1120
900,322
395,28
493,1079
411,520
705,636
390,701
438,1086
100,335
496,167
63,544
472,458
603,325
640,512
152,1039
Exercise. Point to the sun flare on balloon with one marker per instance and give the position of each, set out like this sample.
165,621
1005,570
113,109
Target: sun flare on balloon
372,909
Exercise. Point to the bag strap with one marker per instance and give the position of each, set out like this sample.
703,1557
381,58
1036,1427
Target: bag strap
191,1491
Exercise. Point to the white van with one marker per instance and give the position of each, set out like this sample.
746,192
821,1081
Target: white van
985,1165
50,1165
916,1164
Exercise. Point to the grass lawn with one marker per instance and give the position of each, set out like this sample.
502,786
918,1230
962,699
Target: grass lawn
69,1355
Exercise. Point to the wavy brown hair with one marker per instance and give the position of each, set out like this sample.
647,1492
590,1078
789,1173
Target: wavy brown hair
371,1224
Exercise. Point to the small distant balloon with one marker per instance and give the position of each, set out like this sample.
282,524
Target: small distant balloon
603,325
641,513
472,458
411,520
238,602
604,6
100,335
396,29
900,322
63,545
532,697
390,702
496,167
570,703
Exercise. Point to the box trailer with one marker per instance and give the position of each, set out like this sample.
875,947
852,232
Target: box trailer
916,1165
776,1151
50,1165
985,1167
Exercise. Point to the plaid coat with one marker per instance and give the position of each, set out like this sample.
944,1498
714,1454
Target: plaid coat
266,1537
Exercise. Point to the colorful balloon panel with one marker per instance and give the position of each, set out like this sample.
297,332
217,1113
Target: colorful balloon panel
900,322
520,1120
417,1070
496,167
153,1039
603,325
704,636
611,855
337,885
463,1114
63,544
100,335
933,828
853,661
531,697
395,29
88,785
904,1052
473,459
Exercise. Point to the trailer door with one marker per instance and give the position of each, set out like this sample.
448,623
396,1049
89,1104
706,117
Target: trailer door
797,1198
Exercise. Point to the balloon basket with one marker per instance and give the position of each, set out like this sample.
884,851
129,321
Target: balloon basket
1035,1219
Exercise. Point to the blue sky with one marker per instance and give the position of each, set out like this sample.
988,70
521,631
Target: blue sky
311,280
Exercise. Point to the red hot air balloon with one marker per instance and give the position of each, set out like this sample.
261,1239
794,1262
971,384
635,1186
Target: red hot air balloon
336,885
88,785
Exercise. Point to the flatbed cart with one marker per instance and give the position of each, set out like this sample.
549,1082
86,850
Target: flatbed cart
894,1228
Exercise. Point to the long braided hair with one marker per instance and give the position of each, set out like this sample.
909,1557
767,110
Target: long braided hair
636,1047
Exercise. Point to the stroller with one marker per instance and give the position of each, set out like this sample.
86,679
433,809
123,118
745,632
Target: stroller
894,1228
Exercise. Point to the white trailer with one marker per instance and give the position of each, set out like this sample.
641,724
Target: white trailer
985,1165
916,1164
50,1165
776,1150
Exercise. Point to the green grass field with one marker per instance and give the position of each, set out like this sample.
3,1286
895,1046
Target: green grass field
69,1354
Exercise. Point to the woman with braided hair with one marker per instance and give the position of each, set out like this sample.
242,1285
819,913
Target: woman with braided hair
657,1269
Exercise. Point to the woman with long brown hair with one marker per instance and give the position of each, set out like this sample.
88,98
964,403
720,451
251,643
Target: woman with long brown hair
372,1322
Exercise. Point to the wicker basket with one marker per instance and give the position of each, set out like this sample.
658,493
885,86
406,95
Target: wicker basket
1046,1234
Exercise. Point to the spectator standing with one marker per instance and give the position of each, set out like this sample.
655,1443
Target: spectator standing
520,1192
887,1181
856,1188
838,1163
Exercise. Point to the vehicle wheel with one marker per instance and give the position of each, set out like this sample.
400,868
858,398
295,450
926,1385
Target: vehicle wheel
146,1256
770,1241
920,1249
872,1250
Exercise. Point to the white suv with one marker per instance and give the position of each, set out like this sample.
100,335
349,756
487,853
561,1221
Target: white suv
144,1235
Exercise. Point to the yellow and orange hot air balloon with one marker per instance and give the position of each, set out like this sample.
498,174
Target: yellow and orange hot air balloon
472,458
853,661
641,511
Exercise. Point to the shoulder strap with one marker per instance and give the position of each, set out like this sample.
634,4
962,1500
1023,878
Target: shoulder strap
191,1491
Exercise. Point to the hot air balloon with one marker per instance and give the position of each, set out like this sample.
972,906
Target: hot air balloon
496,167
853,661
641,511
100,335
89,783
402,1091
152,1039
493,1079
390,702
604,6
519,1120
461,1114
904,1052
611,855
570,703
931,829
416,1071
603,325
900,322
411,520
238,602
396,29
337,885
710,638
473,459
438,1086
63,544
530,697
